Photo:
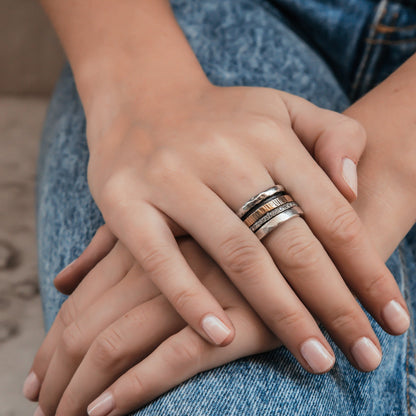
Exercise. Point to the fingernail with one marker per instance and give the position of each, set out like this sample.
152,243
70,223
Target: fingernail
215,329
317,356
101,406
366,354
396,317
31,386
349,172
38,412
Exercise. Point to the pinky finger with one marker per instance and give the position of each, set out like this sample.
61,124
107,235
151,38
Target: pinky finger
177,359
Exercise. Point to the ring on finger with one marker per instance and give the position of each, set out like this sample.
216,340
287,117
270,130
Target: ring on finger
267,210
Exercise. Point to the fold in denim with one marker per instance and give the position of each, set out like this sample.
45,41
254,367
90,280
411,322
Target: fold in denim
328,51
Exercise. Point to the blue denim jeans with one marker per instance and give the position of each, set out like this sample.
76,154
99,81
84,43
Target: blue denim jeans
328,51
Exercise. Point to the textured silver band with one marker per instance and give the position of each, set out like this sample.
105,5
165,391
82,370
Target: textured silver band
272,214
266,208
252,202
269,226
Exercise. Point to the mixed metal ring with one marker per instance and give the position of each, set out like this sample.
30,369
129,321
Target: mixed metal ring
267,210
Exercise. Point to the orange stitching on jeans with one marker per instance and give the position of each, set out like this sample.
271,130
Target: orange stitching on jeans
392,29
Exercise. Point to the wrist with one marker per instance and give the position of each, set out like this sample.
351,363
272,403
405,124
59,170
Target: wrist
124,52
108,91
386,200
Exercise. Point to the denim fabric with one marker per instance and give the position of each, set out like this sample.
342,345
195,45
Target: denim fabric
328,51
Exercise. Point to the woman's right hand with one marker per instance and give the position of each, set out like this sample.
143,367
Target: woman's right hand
92,348
194,163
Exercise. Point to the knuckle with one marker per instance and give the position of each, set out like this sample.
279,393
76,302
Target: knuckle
110,192
344,226
240,256
348,126
178,353
220,152
136,382
281,318
72,341
374,287
138,317
184,298
107,349
68,312
354,128
267,126
344,319
302,251
269,132
163,166
154,259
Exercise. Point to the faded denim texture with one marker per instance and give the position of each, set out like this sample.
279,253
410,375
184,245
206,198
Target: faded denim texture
330,52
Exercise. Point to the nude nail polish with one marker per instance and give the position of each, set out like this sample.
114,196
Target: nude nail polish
215,329
317,356
38,412
31,386
366,354
101,406
396,317
349,173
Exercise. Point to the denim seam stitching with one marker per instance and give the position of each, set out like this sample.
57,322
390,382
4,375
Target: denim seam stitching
406,279
389,42
387,29
380,11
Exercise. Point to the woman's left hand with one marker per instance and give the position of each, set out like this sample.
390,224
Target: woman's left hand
130,342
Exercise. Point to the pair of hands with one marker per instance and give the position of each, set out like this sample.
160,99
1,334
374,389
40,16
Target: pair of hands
249,139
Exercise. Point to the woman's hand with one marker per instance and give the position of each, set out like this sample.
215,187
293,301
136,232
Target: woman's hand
196,164
117,329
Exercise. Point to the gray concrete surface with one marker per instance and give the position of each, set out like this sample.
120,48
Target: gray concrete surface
21,326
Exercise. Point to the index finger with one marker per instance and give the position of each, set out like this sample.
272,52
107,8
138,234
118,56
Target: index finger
338,227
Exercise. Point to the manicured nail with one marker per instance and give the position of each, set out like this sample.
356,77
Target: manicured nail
317,356
215,329
349,172
396,317
101,406
366,354
31,386
38,412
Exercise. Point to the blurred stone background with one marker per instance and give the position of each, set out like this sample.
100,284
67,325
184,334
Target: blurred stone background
30,61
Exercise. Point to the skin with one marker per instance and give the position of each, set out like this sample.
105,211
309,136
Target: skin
148,145
382,176
165,173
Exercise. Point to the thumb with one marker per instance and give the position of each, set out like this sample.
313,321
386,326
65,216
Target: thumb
67,280
70,277
334,140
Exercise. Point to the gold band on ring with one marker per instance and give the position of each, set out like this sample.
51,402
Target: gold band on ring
267,210
264,209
